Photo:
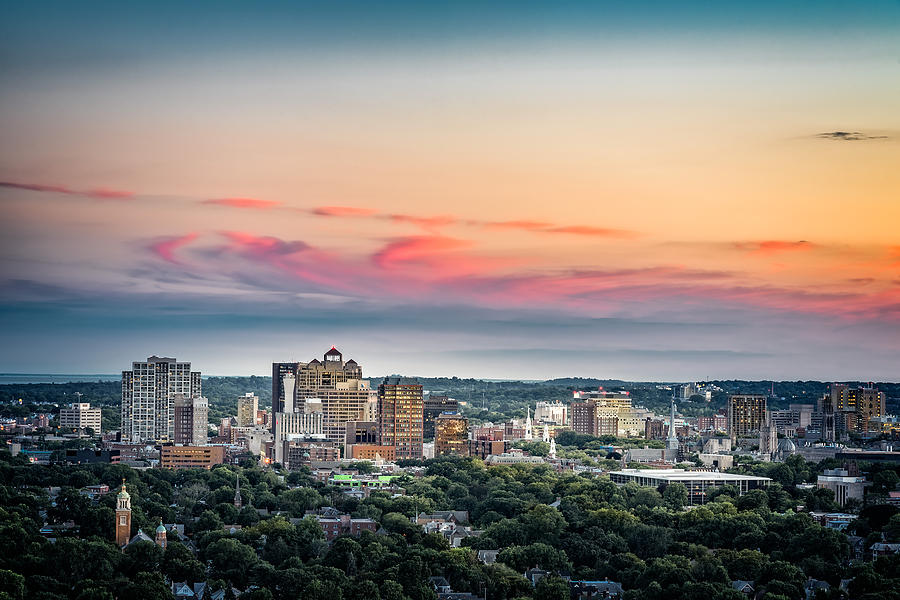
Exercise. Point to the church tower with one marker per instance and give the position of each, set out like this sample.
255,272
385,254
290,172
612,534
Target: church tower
237,492
161,535
123,517
528,424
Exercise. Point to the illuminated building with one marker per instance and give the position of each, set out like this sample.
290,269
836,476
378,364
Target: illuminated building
451,435
400,412
746,414
191,457
80,416
435,404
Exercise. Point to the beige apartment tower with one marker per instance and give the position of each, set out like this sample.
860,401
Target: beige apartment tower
746,414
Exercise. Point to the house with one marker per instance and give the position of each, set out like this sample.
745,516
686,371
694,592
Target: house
338,525
535,575
454,533
440,585
186,591
444,516
881,549
594,590
744,587
488,557
814,585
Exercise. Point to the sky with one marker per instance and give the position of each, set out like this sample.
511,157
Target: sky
643,191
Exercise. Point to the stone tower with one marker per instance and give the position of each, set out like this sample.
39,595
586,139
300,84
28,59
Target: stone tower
123,517
237,492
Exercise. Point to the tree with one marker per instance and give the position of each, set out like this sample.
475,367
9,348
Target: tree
146,586
552,587
675,495
231,560
12,585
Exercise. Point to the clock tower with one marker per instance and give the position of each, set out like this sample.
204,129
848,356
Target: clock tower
123,517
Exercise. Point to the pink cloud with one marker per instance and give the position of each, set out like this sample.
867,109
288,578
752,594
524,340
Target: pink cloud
263,245
416,249
255,203
425,222
591,231
342,211
769,247
526,225
99,193
165,248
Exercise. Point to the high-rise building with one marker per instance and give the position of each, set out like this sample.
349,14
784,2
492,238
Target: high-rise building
552,413
451,435
614,408
80,416
334,384
191,420
400,409
435,404
123,517
746,414
148,398
247,407
856,406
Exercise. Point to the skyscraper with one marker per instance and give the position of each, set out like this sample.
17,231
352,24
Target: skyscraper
148,398
248,406
855,406
746,414
335,384
191,420
435,404
400,412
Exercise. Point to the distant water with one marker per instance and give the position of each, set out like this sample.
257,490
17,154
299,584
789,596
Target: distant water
21,378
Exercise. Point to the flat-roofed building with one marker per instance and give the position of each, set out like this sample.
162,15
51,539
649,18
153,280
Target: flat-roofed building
451,435
191,420
433,406
248,406
400,407
845,486
148,398
698,483
191,457
80,416
746,414
370,452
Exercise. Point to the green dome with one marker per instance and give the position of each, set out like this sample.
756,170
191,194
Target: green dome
123,493
161,528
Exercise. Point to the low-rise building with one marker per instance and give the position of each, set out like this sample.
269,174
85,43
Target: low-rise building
80,416
845,486
698,483
191,457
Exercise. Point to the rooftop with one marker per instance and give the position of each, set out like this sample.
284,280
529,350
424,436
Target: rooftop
682,475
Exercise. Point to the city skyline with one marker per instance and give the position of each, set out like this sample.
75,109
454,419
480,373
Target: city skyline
653,193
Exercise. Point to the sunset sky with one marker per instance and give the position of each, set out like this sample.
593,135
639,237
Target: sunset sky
648,190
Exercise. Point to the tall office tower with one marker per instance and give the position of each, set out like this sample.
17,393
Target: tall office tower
191,420
746,414
148,398
853,407
584,417
333,383
80,416
451,435
435,404
248,406
400,408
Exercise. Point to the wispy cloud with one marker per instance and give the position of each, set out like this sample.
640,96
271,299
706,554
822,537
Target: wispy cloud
769,247
342,211
253,203
165,247
98,193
